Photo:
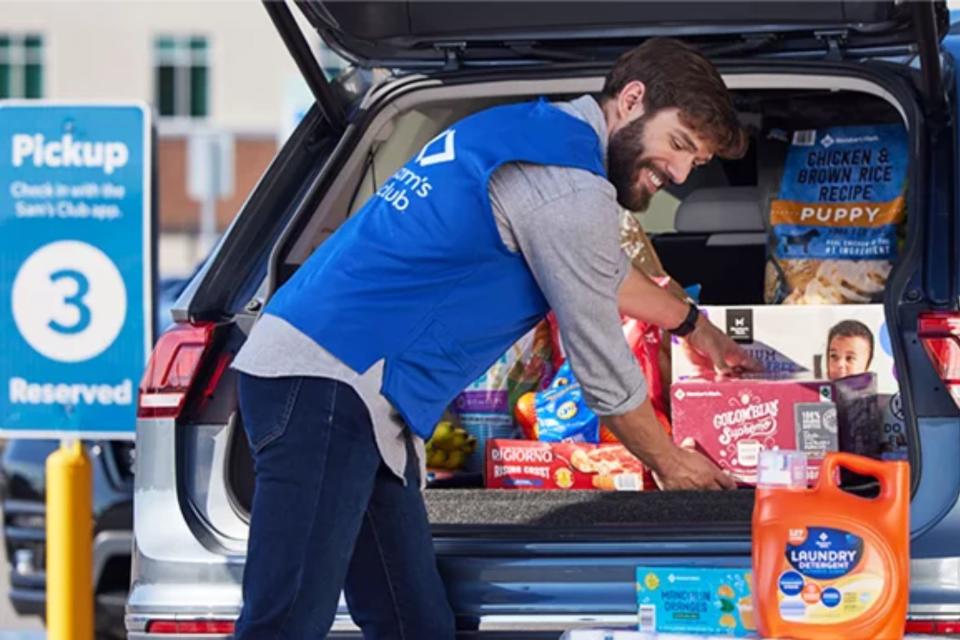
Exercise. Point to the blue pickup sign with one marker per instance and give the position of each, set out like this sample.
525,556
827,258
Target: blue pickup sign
76,279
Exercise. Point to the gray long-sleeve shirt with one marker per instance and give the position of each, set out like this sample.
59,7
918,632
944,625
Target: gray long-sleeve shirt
565,222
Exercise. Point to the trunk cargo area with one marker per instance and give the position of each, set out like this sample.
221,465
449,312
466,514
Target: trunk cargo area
729,275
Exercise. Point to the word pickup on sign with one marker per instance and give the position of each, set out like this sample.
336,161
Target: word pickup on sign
76,283
69,152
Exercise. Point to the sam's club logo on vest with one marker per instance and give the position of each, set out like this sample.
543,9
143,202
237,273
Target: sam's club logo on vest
408,182
826,553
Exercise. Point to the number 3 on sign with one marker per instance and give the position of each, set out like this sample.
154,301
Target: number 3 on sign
76,300
69,301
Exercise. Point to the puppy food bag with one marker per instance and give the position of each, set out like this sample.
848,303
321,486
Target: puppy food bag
834,223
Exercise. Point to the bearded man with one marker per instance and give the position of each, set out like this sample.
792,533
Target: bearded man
507,214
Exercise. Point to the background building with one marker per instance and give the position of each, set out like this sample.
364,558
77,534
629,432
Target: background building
216,74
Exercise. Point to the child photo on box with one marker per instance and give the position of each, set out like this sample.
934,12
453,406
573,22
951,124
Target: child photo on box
849,349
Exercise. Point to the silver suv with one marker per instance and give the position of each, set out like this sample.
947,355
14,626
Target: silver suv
530,564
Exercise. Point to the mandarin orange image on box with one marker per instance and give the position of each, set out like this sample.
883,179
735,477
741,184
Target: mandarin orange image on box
695,600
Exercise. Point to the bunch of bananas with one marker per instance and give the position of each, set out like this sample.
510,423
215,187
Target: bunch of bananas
449,447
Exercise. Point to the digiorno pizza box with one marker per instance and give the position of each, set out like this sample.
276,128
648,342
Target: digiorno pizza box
534,465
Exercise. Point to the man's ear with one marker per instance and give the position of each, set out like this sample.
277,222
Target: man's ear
630,101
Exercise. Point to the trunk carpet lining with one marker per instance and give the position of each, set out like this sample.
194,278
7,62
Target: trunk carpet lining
578,509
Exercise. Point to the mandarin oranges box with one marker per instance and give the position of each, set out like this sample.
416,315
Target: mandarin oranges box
696,600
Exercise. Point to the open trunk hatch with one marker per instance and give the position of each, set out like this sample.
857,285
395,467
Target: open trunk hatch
437,34
426,35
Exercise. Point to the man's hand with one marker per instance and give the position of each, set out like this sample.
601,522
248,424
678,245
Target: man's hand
689,469
708,348
712,351
674,467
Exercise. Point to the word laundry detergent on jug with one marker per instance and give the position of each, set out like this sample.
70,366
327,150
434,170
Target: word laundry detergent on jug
828,564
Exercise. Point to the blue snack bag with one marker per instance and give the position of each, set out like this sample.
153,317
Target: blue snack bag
562,414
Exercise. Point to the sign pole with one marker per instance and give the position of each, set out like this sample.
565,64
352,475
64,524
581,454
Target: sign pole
69,494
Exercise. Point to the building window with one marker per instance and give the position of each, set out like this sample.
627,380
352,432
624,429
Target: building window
21,65
182,76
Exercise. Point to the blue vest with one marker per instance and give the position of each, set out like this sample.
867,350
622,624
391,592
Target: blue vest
419,276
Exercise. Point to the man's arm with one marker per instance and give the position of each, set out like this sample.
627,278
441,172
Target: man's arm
572,245
643,299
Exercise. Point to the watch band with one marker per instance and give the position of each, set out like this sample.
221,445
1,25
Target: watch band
689,323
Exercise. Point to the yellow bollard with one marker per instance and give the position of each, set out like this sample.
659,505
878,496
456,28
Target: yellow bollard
69,543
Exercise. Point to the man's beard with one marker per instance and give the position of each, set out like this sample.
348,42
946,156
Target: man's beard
625,161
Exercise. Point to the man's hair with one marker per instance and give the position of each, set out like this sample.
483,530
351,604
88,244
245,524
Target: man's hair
851,329
677,76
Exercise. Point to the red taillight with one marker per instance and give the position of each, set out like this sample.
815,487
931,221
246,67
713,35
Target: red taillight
172,368
935,627
940,334
191,626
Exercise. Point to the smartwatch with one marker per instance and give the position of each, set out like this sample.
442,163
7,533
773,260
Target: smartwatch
689,323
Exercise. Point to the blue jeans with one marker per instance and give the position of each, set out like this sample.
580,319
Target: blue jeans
329,515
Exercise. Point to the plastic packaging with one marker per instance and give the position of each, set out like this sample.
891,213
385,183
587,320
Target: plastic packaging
835,222
485,408
562,413
782,468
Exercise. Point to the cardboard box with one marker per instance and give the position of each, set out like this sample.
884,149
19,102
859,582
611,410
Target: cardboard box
893,442
695,600
794,340
732,420
870,424
530,464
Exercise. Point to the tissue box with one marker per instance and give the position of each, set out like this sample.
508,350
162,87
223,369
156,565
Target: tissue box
733,419
528,464
796,340
695,600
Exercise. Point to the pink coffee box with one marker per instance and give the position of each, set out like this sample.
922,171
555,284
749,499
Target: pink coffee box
732,420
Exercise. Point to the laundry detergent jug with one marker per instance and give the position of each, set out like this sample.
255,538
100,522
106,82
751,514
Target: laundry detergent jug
829,564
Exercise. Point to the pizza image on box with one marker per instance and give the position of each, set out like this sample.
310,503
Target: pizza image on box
532,465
